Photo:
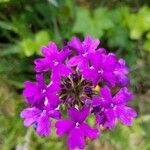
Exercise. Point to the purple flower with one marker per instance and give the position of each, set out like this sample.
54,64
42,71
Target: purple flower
74,71
76,128
107,108
120,72
36,92
84,49
102,68
40,119
53,61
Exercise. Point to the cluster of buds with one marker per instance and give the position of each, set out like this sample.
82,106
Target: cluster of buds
64,91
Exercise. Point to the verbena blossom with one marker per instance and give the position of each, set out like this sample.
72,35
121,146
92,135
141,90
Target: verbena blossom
65,86
76,128
40,119
107,108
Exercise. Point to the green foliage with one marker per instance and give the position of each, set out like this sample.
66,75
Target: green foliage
139,23
94,24
25,26
29,46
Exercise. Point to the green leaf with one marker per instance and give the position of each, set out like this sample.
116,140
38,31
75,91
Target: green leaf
28,46
41,38
147,45
84,23
139,23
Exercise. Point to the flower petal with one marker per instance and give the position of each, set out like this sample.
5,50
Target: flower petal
54,114
64,70
106,93
40,80
64,127
43,125
90,44
109,77
53,99
88,131
96,59
30,115
75,43
96,101
76,139
42,64
110,119
55,75
78,115
109,62
64,53
125,114
50,50
74,61
123,96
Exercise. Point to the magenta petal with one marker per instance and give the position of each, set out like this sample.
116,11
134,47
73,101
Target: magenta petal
84,113
53,99
30,115
74,61
96,101
76,139
33,92
111,119
50,50
125,114
122,66
106,93
54,114
55,76
91,74
43,125
45,51
88,131
30,86
109,62
96,59
53,88
78,115
121,78
64,70
42,64
90,44
64,127
64,53
75,43
40,80
123,96
109,78
73,113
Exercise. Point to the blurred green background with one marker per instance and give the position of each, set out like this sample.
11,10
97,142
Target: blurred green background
25,25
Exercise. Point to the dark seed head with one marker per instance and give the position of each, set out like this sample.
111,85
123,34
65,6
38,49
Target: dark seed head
75,89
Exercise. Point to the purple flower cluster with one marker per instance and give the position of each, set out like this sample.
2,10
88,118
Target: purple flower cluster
65,86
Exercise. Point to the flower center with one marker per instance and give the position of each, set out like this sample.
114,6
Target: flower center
75,90
46,101
85,54
100,71
91,68
55,63
77,124
111,105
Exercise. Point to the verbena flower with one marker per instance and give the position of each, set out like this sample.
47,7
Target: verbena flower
53,61
40,118
76,128
107,108
65,86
